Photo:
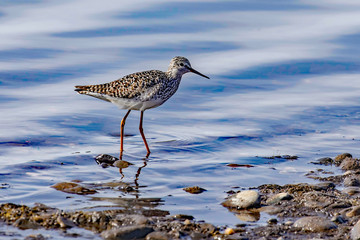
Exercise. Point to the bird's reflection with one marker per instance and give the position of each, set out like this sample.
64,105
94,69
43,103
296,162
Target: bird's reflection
106,160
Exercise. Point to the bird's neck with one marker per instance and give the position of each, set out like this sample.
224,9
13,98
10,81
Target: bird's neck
174,73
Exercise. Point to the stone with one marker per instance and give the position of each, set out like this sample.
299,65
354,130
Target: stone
24,223
350,164
194,190
314,224
64,222
355,231
229,231
351,190
156,236
355,211
248,216
325,161
279,197
351,181
128,232
74,188
272,210
341,157
243,200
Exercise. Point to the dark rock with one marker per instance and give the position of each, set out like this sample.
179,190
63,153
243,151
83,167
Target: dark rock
74,188
324,161
105,158
194,190
128,232
25,223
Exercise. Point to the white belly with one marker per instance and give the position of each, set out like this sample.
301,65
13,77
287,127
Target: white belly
131,104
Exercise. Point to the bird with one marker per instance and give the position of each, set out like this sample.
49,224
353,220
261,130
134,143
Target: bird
141,91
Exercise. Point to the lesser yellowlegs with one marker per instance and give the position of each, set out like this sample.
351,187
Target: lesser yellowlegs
141,91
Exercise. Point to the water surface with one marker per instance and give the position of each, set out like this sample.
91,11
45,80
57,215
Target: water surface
284,81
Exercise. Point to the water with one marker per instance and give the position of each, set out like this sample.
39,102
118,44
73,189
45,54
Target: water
284,80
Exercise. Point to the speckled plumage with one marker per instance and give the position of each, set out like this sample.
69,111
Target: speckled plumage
141,90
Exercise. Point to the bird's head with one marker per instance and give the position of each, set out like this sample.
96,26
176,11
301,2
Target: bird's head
181,65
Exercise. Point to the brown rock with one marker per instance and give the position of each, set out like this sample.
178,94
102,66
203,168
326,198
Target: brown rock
73,188
355,211
350,164
339,158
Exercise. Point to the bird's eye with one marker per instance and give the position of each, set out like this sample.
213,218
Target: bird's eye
181,64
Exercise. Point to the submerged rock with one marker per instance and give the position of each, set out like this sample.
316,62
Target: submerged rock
128,232
194,190
74,188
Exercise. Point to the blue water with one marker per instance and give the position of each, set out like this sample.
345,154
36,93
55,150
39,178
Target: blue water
284,80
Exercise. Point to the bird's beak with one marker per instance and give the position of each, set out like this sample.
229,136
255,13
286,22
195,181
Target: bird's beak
194,71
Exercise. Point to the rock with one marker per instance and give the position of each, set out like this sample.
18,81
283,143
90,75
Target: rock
74,188
339,158
324,161
355,231
128,232
272,210
279,197
355,211
351,190
25,223
229,231
207,227
183,216
156,236
323,186
338,219
122,164
194,190
350,164
314,224
105,159
64,222
272,221
351,181
187,222
243,200
35,237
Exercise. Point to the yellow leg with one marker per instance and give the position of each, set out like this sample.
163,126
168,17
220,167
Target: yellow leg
142,133
122,125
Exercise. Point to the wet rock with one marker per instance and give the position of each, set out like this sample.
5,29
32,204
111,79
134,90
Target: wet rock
64,222
128,232
314,224
351,190
272,221
122,164
339,158
324,161
157,236
36,237
350,164
272,210
355,211
74,188
355,231
183,216
194,190
105,159
279,197
351,181
207,228
243,200
324,186
25,223
338,219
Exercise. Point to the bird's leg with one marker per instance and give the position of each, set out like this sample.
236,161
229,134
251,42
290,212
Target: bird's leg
142,133
122,125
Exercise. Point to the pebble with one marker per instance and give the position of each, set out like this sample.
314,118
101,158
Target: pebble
272,221
243,200
128,232
279,197
355,211
355,231
314,224
229,231
194,190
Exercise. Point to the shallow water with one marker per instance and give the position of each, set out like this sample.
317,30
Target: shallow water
284,80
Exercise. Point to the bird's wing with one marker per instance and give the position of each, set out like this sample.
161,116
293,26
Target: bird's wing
130,86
